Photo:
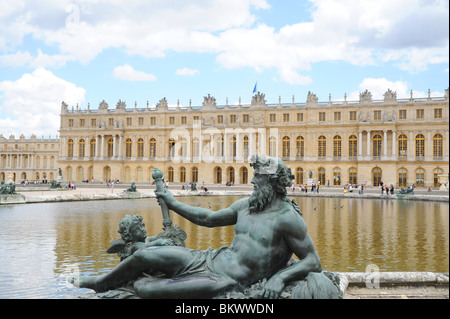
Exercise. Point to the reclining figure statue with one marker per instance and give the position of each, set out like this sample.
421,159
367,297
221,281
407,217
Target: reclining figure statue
269,229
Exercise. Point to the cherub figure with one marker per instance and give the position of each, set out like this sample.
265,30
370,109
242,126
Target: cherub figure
134,237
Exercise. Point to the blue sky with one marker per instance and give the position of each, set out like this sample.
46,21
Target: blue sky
86,51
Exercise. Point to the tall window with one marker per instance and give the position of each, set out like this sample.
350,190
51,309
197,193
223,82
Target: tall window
182,174
140,174
322,146
140,147
195,174
128,147
183,150
220,146
92,148
402,146
171,147
420,177
437,146
152,148
321,178
420,147
218,175
337,176
272,146
353,146
233,146
246,147
70,148
81,145
170,174
376,145
352,176
299,175
195,148
110,144
300,146
376,176
80,174
286,146
244,175
127,174
337,146
231,175
402,176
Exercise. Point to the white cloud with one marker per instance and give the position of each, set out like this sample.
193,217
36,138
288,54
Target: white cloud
187,72
128,73
33,102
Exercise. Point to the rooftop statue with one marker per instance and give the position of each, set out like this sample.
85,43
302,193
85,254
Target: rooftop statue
269,229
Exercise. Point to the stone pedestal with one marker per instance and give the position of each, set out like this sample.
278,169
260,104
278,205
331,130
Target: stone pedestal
443,180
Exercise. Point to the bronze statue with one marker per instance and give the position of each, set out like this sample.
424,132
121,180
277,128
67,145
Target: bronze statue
269,229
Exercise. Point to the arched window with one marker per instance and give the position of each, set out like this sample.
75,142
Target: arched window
376,176
353,146
70,148
300,147
244,175
218,175
80,174
337,147
107,173
402,177
140,147
140,174
52,162
420,177
272,146
231,175
286,146
195,174
182,174
299,176
353,175
337,176
170,174
69,173
127,174
437,146
110,148
128,147
420,147
322,146
92,148
376,146
90,173
81,145
402,146
321,178
152,148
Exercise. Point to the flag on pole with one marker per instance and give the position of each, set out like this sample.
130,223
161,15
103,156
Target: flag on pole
254,89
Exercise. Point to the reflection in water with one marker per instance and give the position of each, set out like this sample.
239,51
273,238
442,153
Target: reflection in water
41,245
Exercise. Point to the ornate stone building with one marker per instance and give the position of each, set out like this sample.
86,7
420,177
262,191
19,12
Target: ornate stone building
30,159
395,141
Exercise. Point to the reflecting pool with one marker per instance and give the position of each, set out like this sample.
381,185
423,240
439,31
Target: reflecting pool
41,245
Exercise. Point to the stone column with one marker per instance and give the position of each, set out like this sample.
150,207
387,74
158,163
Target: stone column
114,147
384,144
368,144
102,151
120,146
96,146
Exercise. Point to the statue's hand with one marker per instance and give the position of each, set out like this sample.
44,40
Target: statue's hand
273,288
167,196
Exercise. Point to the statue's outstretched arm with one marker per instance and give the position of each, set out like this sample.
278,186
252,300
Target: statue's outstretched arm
202,216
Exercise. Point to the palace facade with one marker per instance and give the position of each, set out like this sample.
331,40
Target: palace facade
29,160
394,141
